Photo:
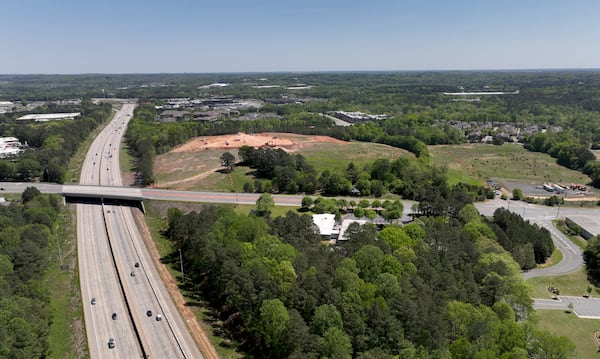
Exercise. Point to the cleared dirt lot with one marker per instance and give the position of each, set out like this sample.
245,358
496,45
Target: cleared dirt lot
289,142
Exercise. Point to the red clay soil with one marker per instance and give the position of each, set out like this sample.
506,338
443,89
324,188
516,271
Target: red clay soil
197,331
277,140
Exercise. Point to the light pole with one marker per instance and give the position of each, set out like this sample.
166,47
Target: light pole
181,262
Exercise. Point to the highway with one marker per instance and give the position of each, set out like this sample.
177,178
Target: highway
116,269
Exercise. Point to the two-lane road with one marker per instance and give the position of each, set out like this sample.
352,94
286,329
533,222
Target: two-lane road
543,216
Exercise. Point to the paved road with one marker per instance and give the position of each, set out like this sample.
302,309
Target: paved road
139,287
583,307
543,216
98,277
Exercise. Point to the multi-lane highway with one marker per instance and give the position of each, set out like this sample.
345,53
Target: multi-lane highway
116,269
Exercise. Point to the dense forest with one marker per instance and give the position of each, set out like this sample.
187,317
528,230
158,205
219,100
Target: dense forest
25,232
51,144
432,289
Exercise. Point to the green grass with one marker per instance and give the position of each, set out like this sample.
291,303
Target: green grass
125,160
479,162
337,156
580,331
574,283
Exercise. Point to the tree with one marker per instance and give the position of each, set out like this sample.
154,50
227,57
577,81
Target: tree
29,194
591,256
273,322
227,161
307,201
264,203
326,316
517,194
336,344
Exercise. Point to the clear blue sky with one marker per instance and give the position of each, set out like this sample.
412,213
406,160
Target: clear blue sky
140,36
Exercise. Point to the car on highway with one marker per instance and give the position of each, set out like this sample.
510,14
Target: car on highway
137,264
158,317
111,343
149,313
133,274
93,300
114,316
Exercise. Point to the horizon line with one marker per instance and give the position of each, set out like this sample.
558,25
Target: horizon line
541,69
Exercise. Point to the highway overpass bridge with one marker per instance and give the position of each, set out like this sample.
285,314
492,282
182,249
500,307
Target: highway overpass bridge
135,196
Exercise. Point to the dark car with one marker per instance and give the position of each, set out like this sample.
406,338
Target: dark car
149,313
114,316
93,300
137,264
111,343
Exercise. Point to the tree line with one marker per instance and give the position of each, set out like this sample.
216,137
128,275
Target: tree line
434,288
25,232
51,144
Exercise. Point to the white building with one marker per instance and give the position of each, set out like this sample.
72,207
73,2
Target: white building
45,117
345,224
10,147
6,106
326,223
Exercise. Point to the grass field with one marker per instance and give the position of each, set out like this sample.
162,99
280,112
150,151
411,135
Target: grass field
580,331
197,170
479,162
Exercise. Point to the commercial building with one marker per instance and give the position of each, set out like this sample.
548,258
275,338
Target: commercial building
45,117
10,147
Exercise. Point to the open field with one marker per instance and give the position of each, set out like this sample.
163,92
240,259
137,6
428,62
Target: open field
574,284
480,162
195,164
580,331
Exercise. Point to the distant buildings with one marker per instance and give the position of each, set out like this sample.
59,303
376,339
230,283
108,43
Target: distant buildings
6,106
45,117
358,117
